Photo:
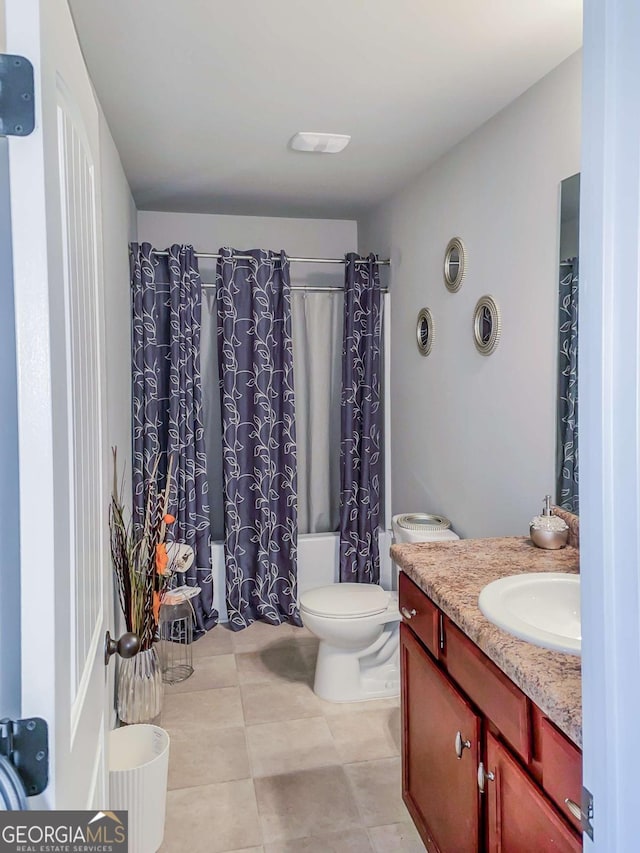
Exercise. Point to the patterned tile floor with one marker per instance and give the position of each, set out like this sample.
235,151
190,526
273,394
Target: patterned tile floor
260,764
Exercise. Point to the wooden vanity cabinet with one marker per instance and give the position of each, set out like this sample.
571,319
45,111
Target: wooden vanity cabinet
439,788
562,763
456,702
520,818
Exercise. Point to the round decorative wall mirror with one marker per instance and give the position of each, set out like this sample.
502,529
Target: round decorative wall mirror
454,265
486,325
424,331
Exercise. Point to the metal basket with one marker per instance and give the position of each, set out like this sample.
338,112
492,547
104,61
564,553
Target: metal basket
176,641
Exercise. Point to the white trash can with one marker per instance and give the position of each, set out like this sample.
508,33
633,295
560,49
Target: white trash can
138,768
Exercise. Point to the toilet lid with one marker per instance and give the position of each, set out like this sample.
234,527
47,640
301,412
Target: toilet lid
422,522
344,600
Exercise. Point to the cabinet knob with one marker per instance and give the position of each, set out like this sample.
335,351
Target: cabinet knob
408,614
461,744
483,776
574,808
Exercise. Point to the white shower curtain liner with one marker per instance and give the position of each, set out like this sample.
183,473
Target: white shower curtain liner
317,350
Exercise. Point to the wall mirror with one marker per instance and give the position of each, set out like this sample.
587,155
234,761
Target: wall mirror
454,264
486,325
567,402
424,331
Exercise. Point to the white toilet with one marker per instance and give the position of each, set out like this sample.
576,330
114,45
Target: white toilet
357,625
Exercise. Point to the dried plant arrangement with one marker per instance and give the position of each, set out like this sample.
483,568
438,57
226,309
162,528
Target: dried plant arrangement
139,557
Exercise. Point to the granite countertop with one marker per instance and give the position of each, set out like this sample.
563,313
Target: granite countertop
452,575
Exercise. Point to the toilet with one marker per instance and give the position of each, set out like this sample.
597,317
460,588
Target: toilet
357,625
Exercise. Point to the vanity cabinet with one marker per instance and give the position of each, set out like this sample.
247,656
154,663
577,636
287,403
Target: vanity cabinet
483,769
519,817
445,802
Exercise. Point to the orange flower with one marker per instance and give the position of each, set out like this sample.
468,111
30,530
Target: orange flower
162,559
156,605
169,519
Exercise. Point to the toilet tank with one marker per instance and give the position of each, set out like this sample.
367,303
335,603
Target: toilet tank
410,527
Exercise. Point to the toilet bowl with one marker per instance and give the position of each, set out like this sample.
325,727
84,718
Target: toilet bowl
357,625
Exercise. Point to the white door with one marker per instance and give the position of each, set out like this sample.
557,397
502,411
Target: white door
609,395
64,486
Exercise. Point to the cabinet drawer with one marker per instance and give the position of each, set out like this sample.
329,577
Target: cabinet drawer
498,698
421,614
561,769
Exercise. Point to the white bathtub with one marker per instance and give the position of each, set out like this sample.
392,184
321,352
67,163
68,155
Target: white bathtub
317,565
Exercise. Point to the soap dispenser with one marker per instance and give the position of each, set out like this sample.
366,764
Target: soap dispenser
547,530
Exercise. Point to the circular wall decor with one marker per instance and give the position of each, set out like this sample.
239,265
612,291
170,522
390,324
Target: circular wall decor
424,331
487,325
454,264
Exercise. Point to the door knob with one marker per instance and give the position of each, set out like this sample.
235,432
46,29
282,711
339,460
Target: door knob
13,796
461,744
127,646
408,614
484,776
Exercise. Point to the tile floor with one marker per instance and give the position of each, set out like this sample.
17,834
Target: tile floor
260,764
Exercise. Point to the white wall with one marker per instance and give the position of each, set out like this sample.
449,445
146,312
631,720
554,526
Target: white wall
472,436
119,227
298,237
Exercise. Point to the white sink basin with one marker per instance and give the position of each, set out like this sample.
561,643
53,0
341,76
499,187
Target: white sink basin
541,607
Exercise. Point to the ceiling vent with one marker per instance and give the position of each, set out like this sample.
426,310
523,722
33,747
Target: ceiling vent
320,143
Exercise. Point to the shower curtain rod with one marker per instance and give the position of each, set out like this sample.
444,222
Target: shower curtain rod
383,262
309,288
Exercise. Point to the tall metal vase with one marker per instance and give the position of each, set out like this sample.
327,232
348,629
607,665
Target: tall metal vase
139,688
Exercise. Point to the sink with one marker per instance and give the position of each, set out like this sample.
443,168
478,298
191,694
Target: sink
540,607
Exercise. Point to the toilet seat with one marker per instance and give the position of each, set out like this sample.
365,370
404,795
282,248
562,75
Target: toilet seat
345,600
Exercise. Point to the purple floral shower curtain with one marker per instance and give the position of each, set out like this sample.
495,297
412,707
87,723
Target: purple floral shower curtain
360,442
258,437
567,478
167,402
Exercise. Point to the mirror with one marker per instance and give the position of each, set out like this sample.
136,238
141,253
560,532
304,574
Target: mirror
454,265
487,325
424,331
569,217
567,401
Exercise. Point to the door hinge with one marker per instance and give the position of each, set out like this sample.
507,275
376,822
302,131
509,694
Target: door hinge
25,743
17,107
587,812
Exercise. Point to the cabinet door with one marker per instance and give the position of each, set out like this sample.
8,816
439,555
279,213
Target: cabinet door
561,770
440,789
520,818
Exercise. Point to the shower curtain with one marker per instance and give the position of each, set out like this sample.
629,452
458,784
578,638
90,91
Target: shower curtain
167,402
567,419
316,331
317,346
258,437
361,416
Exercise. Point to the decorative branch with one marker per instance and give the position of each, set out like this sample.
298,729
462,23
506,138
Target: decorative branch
140,564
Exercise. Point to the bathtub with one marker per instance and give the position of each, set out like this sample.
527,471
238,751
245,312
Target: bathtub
317,565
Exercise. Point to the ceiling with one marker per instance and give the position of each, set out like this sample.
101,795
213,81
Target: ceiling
202,96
